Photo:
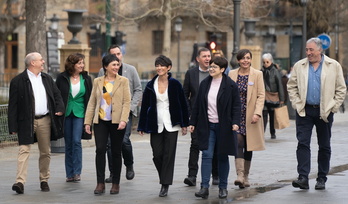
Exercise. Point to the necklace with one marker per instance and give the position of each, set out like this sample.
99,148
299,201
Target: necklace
75,77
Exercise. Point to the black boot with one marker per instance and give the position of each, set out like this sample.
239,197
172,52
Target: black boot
130,172
203,193
164,190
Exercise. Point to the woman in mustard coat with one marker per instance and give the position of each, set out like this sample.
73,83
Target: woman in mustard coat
251,132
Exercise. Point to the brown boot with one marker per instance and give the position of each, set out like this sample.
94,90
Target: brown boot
239,162
100,189
115,189
246,173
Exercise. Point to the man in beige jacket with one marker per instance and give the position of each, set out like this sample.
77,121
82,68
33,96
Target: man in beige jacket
316,90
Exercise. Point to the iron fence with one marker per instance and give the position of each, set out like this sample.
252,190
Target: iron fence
6,139
5,79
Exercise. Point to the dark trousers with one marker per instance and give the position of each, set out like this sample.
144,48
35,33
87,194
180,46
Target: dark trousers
103,131
163,150
127,149
269,111
304,126
194,156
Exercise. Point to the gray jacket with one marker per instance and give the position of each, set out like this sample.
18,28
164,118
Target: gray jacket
135,87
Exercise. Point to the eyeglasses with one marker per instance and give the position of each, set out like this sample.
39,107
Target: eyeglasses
213,67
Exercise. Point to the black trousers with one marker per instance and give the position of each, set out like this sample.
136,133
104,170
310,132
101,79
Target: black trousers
194,156
164,149
269,111
102,132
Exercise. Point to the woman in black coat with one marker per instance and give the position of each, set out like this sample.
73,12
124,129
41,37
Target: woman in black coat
163,113
216,117
75,86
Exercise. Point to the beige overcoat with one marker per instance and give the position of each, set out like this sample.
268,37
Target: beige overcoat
121,99
255,102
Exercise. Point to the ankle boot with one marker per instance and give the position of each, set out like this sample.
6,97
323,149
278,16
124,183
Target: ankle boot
239,163
100,189
246,173
202,193
115,189
130,172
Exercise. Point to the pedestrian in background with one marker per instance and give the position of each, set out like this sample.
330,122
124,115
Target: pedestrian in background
163,113
75,86
316,91
193,78
251,133
131,74
273,84
35,107
215,117
108,110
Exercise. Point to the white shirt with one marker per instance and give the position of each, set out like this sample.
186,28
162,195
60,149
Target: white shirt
39,91
75,89
163,115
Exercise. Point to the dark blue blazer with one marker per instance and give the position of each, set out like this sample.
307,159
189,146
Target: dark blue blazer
177,106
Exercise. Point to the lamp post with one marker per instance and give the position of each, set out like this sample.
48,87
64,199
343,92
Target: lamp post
304,27
52,45
236,28
178,29
271,32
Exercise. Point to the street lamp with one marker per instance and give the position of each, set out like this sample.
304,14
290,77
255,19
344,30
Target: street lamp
271,32
178,29
236,28
304,27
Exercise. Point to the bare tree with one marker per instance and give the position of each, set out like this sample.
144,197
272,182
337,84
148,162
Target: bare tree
36,27
216,14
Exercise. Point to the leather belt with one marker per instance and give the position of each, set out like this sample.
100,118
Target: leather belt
313,106
40,116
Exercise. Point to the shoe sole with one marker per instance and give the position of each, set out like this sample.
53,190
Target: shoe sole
188,182
200,196
17,189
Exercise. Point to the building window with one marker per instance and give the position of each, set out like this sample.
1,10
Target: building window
157,41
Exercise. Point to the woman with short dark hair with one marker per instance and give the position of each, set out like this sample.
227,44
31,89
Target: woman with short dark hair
215,117
108,110
163,113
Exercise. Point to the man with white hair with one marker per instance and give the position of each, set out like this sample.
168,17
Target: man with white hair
34,110
316,90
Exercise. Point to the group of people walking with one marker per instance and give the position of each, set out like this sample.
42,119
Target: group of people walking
224,111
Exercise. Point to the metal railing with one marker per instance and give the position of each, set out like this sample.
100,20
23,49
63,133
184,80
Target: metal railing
5,138
5,79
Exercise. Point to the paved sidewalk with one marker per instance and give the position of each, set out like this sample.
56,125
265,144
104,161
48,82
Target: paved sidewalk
271,174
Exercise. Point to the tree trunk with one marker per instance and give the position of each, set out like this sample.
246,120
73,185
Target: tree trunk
36,27
167,28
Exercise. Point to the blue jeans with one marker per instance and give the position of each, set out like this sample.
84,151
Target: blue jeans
304,127
207,158
73,128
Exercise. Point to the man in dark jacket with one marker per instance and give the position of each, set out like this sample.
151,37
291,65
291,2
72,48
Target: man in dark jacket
34,108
